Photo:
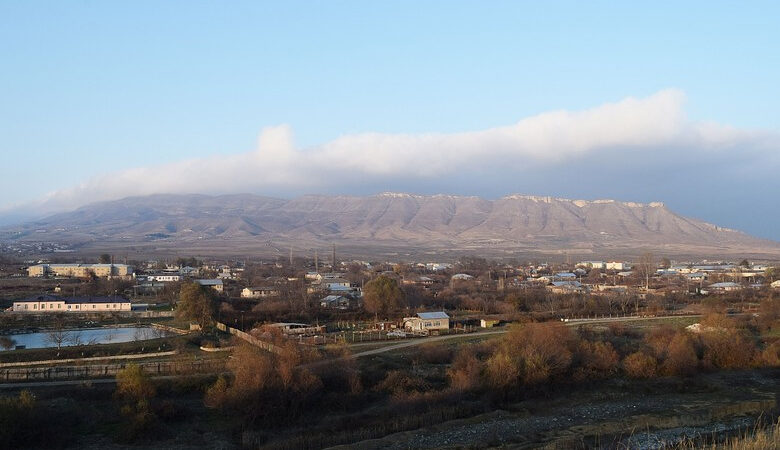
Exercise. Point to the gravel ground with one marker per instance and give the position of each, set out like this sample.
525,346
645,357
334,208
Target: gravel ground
623,420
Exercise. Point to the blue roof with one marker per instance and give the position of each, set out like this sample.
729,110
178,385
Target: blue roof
433,315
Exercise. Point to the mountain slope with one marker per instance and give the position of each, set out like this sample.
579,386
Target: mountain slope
512,223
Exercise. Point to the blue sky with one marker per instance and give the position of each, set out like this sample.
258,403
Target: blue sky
92,89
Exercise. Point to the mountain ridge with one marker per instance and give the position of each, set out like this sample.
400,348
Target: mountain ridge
515,222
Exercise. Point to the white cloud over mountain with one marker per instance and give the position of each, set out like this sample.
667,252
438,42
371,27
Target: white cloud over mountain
631,140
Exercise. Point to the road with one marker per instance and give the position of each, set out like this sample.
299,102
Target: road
570,323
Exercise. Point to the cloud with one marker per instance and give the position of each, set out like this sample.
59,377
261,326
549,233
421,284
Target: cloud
631,136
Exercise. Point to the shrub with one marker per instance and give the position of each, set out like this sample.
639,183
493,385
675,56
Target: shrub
466,370
597,359
681,357
771,354
727,349
640,365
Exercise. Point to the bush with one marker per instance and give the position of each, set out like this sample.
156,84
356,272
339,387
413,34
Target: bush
434,354
640,365
771,354
135,391
681,357
596,359
466,370
728,349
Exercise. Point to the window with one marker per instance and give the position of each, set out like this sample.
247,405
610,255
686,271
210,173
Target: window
43,305
25,306
93,306
68,306
59,305
77,306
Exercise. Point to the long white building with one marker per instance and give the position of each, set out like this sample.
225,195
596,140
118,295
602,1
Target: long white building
80,270
53,304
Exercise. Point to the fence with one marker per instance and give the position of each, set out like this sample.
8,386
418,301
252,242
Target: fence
249,338
110,370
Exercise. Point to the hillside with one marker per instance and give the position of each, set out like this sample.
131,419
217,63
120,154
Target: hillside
236,224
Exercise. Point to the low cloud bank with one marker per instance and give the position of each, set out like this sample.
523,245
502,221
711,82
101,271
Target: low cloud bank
639,142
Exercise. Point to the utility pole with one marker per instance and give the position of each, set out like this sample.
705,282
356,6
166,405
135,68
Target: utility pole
334,257
291,257
316,262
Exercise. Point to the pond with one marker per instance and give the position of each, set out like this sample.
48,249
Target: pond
86,336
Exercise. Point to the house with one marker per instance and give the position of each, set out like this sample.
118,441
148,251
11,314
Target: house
335,283
565,276
437,267
565,287
339,285
259,292
336,302
317,276
696,276
462,277
295,329
727,286
189,271
164,277
618,265
488,323
775,284
215,284
428,322
54,304
418,281
593,264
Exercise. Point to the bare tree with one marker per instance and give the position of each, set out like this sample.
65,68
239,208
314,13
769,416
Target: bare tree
646,268
59,336
7,343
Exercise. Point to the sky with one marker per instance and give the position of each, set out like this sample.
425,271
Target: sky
638,101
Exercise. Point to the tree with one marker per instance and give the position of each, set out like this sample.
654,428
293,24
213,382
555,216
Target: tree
135,389
267,388
58,335
645,268
133,384
382,294
105,258
530,355
196,303
7,343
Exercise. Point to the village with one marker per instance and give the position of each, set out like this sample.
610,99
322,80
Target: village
466,295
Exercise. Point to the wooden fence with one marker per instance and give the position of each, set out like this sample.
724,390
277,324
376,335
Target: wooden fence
110,370
248,338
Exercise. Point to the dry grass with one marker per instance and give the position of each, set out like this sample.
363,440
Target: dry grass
758,439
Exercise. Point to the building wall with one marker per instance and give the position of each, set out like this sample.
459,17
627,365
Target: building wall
418,324
80,270
60,306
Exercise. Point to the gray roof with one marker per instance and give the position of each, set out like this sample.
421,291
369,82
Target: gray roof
215,282
433,315
69,300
